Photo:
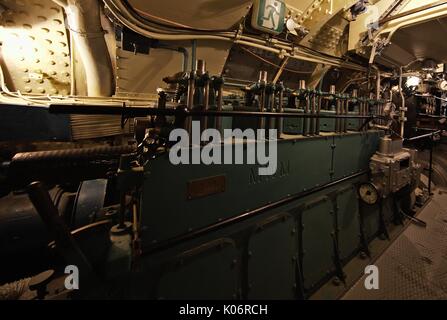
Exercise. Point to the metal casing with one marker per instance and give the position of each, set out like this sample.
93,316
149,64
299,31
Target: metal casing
394,167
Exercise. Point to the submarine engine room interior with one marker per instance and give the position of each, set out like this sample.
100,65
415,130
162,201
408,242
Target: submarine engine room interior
223,150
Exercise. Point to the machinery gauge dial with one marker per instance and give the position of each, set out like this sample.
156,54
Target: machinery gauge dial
369,193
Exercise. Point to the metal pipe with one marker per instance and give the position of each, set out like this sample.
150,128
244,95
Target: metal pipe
190,98
200,67
127,18
345,112
317,126
149,111
261,123
66,165
262,82
204,91
402,107
220,98
302,89
306,113
424,136
392,8
413,11
75,155
332,89
272,108
219,106
84,22
313,112
337,112
272,101
280,70
206,102
378,84
262,78
193,55
378,87
280,109
182,50
191,90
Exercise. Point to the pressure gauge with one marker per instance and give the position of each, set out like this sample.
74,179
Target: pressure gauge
442,85
369,193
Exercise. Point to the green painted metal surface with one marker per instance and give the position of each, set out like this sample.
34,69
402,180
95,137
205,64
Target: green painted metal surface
317,246
293,125
272,258
327,125
348,221
352,152
225,122
354,124
209,271
302,164
254,258
260,255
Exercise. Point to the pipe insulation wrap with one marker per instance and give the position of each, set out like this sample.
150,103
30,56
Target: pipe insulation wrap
71,154
84,21
68,165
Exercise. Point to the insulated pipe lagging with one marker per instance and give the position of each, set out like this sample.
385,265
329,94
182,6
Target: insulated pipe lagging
74,155
85,26
58,166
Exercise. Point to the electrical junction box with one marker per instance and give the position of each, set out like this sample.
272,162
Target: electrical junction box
268,16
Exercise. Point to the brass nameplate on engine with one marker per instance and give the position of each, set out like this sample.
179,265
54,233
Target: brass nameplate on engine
205,187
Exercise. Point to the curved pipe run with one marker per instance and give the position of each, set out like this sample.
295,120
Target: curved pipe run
85,27
283,49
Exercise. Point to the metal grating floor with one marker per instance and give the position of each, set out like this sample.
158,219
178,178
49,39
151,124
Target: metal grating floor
414,267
